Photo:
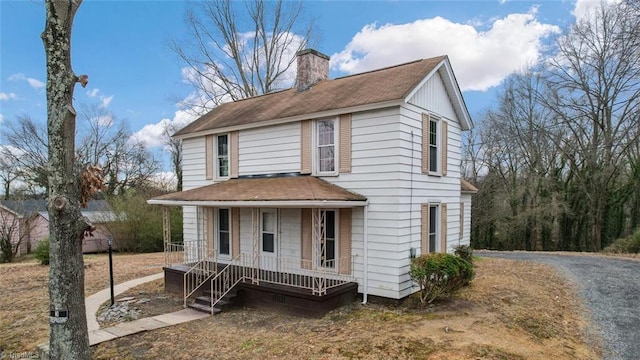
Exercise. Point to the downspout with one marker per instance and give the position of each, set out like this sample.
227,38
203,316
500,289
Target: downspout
365,289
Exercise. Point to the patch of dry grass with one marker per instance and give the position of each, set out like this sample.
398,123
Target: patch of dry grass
24,309
513,310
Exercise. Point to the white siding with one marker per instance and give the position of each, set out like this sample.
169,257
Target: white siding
190,231
289,228
386,159
193,163
418,188
267,150
375,150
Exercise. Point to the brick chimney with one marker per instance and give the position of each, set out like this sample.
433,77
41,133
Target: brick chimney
313,66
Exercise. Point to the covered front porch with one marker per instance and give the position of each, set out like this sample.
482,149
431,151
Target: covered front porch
281,242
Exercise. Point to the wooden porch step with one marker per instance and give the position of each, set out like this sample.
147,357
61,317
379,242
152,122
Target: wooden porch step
204,308
204,302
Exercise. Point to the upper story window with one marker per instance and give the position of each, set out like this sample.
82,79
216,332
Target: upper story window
222,156
326,146
433,145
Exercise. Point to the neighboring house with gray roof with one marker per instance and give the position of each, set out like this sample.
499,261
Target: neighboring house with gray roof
325,189
31,219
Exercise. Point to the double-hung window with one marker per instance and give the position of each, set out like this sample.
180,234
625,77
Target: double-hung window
433,228
433,146
269,231
224,231
328,253
326,146
222,156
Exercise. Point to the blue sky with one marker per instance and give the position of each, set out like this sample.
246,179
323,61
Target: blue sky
123,47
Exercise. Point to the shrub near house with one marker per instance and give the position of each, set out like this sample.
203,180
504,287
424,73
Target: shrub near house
440,274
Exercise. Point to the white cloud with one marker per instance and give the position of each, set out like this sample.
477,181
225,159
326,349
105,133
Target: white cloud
93,92
152,135
105,101
1,118
7,96
481,59
586,8
34,83
6,150
104,120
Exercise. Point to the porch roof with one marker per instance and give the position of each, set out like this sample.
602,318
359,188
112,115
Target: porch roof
287,191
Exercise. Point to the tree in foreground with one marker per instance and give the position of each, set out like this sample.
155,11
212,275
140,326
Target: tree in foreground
68,337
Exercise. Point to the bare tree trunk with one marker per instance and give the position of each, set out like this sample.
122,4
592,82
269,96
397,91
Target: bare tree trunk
68,324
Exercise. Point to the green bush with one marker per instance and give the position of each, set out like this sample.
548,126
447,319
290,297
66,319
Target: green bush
465,252
625,245
440,275
139,225
41,251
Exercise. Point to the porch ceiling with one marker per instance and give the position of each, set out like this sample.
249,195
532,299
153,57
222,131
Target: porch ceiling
288,191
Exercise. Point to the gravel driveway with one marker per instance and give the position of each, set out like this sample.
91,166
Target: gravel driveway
610,289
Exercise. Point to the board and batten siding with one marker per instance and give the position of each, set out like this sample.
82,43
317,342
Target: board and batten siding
268,150
433,96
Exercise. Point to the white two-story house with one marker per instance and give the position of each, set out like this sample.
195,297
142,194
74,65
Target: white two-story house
304,197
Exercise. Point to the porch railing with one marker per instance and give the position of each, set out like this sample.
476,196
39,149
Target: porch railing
287,271
173,254
198,274
301,274
226,279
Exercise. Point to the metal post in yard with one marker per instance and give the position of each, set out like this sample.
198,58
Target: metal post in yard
111,269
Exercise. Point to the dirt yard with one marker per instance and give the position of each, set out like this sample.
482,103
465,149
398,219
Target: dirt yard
24,296
512,310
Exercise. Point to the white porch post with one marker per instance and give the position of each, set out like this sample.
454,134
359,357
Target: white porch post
318,243
255,249
166,235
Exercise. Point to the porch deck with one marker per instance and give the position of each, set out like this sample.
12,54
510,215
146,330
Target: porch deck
281,291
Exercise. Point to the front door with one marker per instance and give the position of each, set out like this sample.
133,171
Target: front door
269,242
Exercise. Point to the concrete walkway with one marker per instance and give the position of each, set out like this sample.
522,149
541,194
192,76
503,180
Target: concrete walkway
97,335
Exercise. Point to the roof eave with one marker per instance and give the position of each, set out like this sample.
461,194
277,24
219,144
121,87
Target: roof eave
265,203
315,115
